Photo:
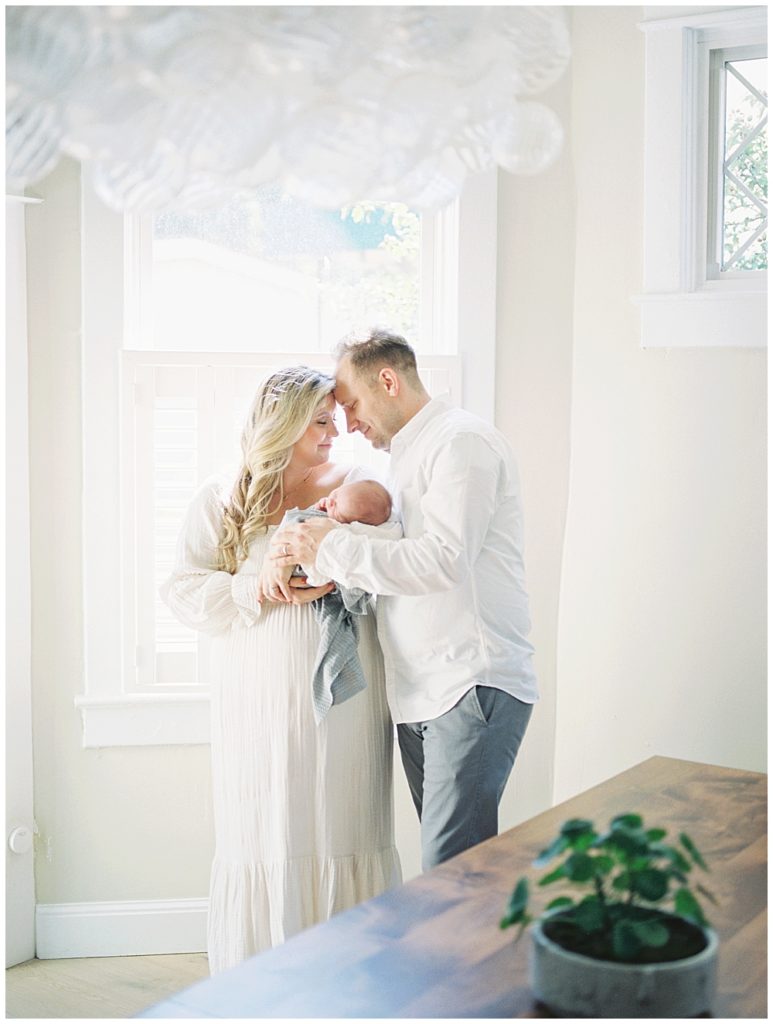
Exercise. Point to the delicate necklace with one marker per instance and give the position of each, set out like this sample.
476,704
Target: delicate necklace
297,486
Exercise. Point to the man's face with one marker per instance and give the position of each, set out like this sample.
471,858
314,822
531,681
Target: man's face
367,406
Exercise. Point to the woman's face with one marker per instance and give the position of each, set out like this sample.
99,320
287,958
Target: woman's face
313,449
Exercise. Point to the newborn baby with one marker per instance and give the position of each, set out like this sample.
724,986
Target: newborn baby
364,505
363,501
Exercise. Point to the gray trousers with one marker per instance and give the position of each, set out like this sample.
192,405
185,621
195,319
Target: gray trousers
457,766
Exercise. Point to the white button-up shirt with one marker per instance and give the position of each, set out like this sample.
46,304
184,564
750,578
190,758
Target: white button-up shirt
452,609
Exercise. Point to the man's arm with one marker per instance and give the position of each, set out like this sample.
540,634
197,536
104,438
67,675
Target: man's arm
390,530
457,509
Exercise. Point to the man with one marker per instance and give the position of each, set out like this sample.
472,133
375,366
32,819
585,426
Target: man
452,608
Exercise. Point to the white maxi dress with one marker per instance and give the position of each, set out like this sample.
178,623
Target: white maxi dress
303,813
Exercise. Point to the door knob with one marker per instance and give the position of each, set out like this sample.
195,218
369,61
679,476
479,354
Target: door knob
20,839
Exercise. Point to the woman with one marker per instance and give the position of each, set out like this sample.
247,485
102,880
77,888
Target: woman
303,813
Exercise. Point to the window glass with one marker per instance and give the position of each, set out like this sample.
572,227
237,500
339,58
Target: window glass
269,273
745,184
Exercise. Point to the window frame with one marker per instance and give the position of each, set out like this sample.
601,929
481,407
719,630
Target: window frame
717,58
463,245
681,306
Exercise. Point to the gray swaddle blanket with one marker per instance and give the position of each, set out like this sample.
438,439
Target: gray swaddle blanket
337,674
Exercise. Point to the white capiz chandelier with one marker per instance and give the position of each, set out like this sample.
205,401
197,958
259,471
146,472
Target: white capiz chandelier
181,106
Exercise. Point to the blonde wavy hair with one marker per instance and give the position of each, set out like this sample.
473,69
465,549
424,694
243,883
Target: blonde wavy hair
280,414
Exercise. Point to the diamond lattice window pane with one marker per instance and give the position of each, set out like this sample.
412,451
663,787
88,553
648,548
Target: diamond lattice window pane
745,207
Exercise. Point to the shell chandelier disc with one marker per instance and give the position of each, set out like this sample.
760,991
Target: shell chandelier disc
183,106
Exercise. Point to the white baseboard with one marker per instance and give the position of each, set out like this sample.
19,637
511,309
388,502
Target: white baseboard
126,928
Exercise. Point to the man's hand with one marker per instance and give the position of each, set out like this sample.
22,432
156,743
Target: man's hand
297,543
302,593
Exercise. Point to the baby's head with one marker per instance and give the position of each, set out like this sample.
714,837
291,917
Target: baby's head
363,501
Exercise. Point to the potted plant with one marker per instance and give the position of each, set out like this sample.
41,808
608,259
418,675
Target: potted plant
636,943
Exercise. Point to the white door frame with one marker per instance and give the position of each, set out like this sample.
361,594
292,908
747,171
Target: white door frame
20,878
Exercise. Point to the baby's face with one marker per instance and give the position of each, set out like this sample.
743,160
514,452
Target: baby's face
340,505
357,502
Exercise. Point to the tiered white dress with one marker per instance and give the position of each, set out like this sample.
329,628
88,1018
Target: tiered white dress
303,813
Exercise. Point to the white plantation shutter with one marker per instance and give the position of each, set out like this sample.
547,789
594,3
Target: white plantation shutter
183,416
168,442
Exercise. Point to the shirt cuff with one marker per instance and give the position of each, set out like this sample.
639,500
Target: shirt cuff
314,577
244,591
331,560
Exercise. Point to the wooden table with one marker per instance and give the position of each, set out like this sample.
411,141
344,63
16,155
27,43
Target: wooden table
432,948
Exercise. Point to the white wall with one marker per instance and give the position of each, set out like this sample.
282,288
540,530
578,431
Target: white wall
118,824
533,400
661,641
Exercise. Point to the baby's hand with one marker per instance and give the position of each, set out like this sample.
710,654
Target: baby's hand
274,582
321,505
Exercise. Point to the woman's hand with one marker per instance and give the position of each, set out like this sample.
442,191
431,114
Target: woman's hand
274,582
277,584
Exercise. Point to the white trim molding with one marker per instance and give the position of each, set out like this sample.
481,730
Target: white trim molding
125,928
680,305
144,719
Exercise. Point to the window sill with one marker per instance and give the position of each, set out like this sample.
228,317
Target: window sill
715,317
144,720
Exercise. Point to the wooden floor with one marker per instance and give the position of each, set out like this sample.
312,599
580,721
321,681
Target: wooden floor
110,986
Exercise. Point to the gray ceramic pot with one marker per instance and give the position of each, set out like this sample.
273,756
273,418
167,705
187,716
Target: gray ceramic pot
571,985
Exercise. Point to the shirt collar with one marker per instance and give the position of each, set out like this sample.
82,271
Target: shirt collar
416,424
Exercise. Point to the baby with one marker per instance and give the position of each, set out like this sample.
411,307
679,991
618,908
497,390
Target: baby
365,506
363,501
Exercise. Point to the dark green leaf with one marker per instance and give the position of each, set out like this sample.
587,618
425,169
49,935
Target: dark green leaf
579,867
630,841
556,848
584,842
560,901
627,821
687,906
676,857
622,881
651,884
625,942
560,872
602,865
506,922
516,906
654,835
589,915
651,933
576,827
691,848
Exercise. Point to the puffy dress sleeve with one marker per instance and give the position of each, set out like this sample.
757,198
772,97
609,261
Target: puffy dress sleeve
198,594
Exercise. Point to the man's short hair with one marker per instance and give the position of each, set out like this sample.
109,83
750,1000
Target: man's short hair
368,351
